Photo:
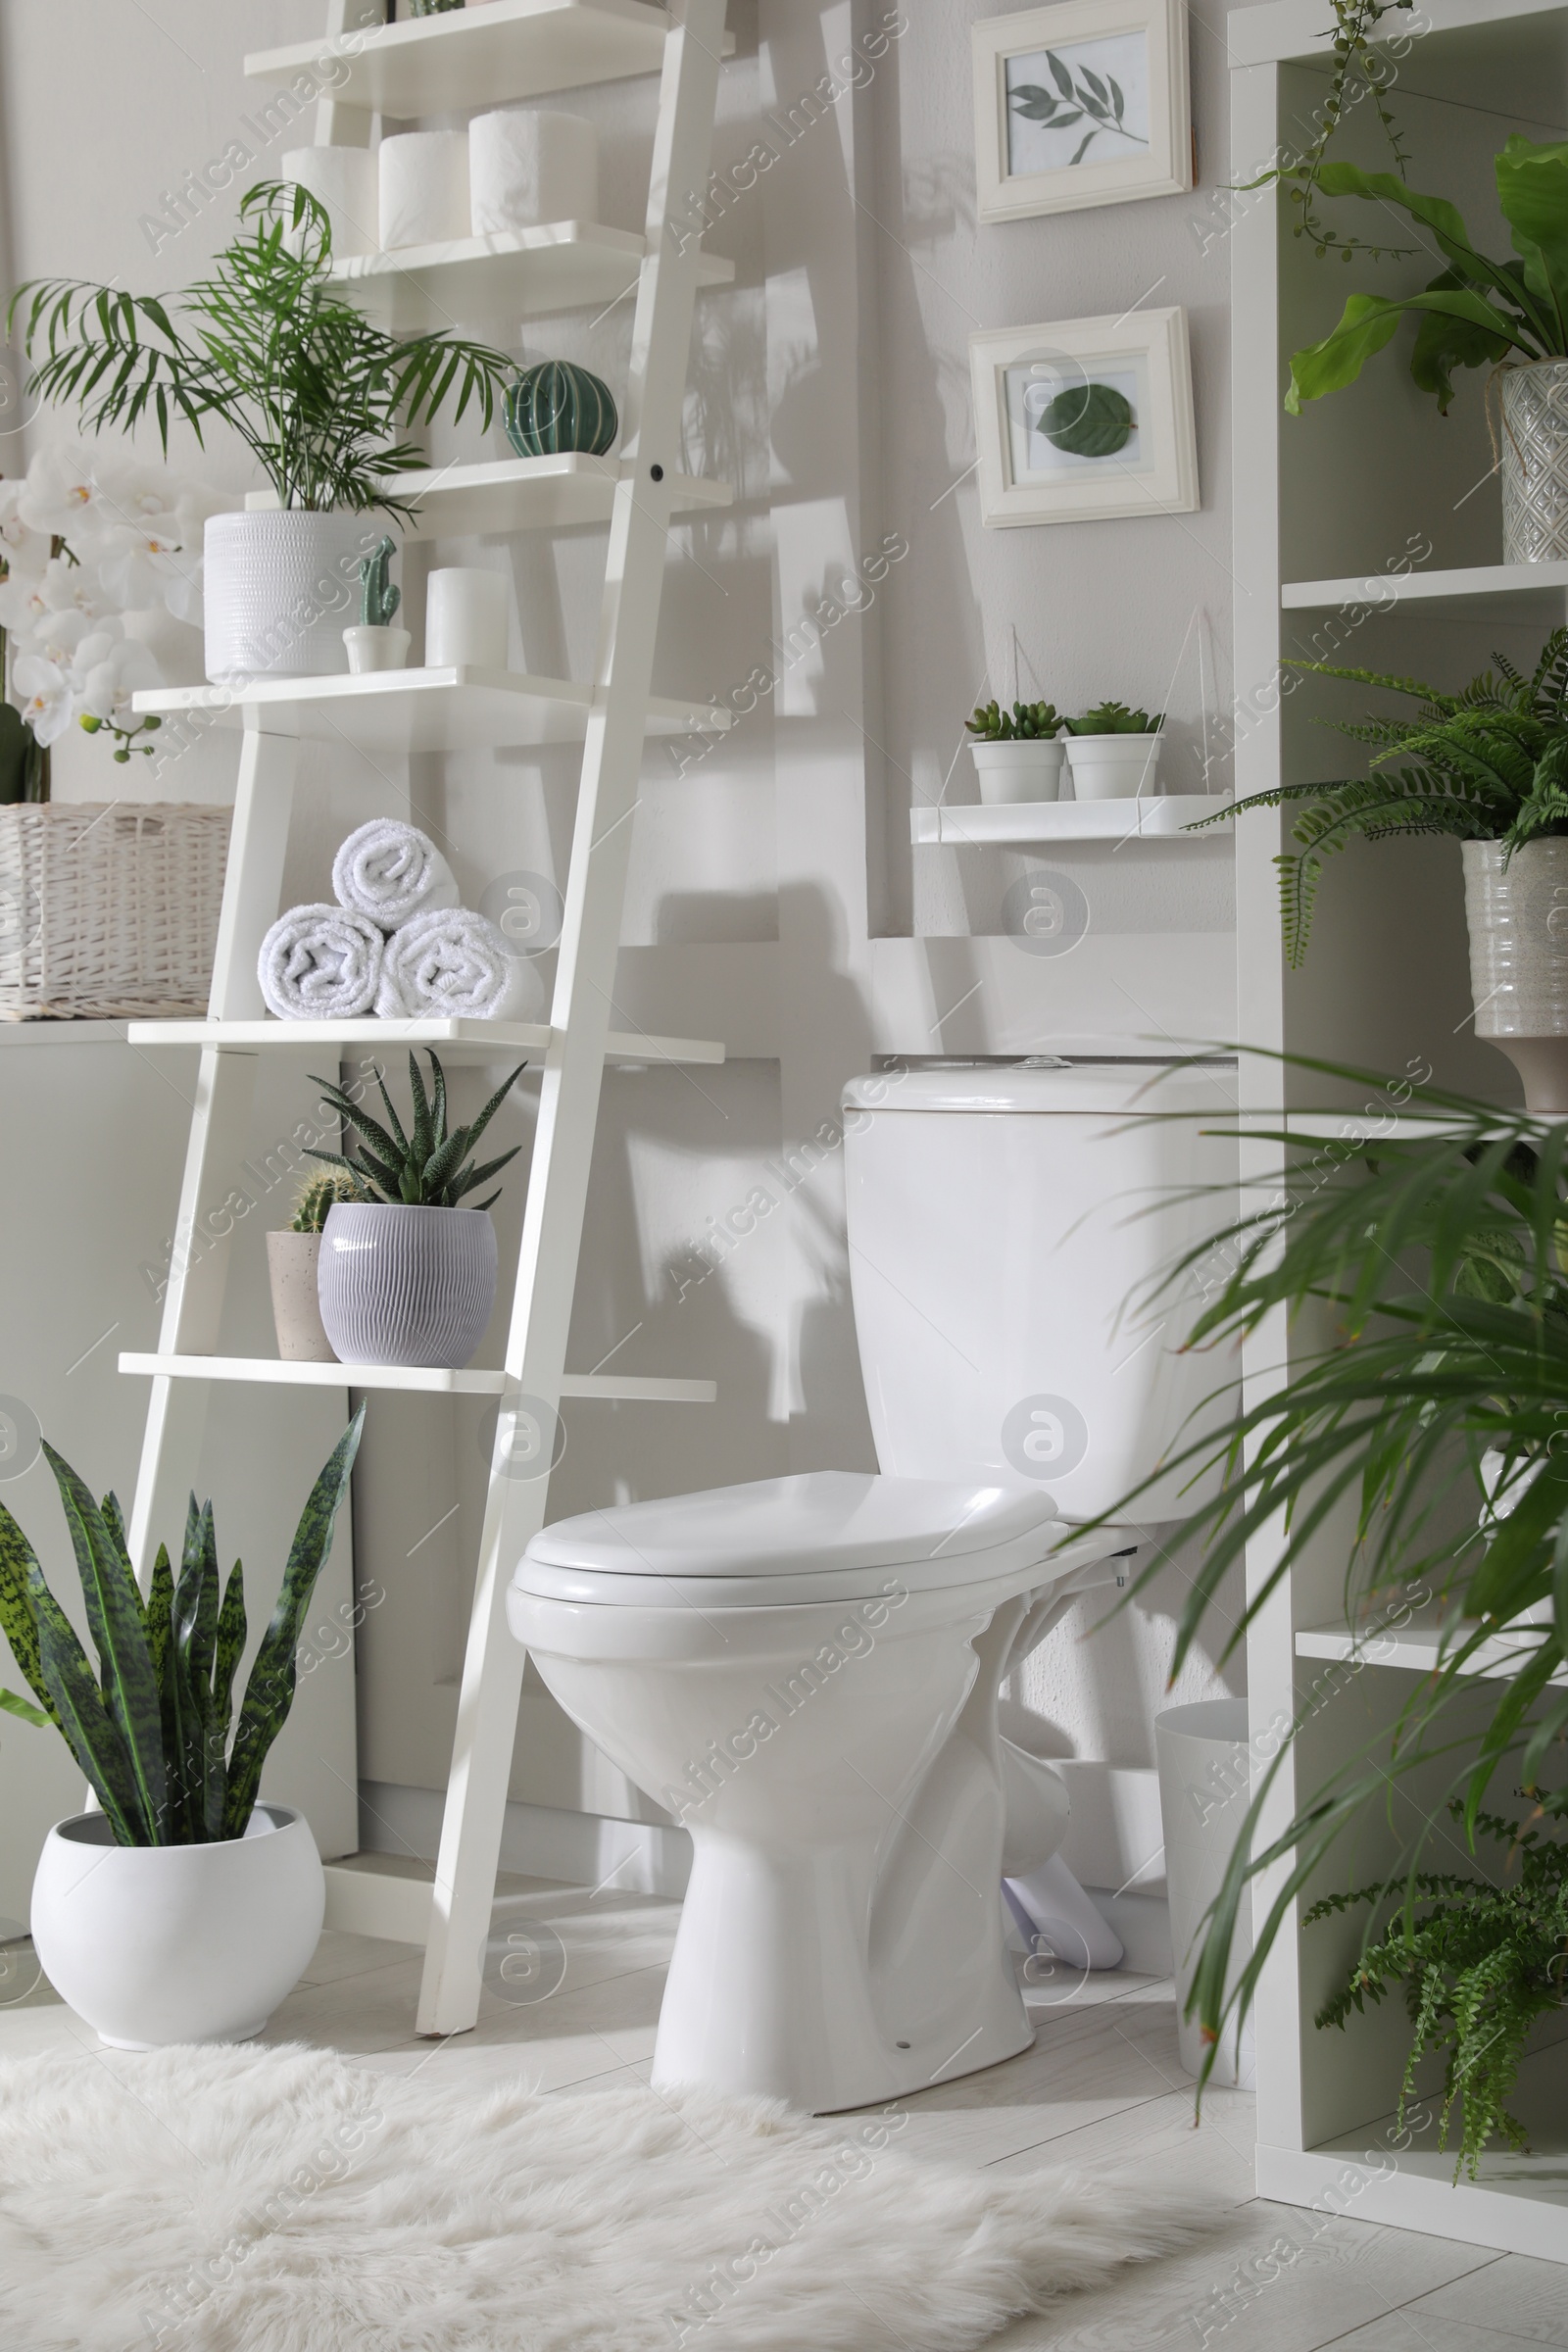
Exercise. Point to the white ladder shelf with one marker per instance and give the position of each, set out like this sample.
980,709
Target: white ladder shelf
547,45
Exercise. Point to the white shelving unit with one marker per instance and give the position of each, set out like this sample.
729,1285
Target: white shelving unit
497,496
480,56
1329,507
979,825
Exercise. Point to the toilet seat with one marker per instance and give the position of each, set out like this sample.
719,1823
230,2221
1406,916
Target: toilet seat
823,1536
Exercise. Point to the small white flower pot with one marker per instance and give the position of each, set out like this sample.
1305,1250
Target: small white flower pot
375,649
279,585
153,1944
405,1285
1114,768
1018,770
291,1263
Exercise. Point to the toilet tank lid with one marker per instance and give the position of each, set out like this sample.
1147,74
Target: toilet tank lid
1139,1086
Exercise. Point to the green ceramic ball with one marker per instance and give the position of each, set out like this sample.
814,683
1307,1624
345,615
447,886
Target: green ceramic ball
557,407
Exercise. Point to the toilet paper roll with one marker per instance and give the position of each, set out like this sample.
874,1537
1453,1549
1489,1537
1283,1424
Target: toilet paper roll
465,620
425,188
528,167
344,179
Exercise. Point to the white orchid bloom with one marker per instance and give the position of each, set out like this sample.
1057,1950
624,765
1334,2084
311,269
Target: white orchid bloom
23,551
136,560
22,605
127,668
74,490
67,585
47,700
58,637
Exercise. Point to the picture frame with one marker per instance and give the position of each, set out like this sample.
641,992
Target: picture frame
1086,102
1085,419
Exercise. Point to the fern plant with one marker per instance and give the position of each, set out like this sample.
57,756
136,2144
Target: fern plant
429,1168
1477,1966
150,1730
1488,764
319,395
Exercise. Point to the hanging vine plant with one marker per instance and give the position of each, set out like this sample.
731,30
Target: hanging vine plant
1360,72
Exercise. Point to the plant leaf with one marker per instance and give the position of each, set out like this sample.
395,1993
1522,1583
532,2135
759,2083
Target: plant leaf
90,1732
115,1620
17,1566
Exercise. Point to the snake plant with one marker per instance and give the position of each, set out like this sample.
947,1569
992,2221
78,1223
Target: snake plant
429,1168
151,1729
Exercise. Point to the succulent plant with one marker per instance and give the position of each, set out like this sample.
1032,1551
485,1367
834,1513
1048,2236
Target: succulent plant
378,598
1025,722
1114,719
429,1168
318,1195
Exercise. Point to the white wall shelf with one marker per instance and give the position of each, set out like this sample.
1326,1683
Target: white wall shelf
268,1371
460,1039
418,710
501,495
1522,592
523,274
1416,1647
483,57
978,825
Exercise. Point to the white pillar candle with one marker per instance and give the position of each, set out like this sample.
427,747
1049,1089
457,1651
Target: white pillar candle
465,620
347,181
425,188
528,167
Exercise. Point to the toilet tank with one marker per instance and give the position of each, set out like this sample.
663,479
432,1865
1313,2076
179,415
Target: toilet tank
1002,1220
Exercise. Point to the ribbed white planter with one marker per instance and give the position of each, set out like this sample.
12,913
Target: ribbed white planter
1535,463
1114,768
154,1945
406,1285
1518,919
1014,772
281,587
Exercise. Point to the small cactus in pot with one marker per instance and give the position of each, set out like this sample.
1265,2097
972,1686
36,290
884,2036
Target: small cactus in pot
292,1259
375,644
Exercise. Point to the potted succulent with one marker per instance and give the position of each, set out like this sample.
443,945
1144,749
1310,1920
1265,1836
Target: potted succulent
1113,751
292,1257
318,394
408,1275
1477,313
1016,754
1489,765
375,644
184,1909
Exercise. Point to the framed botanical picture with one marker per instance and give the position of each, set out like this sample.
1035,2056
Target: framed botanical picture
1085,419
1082,103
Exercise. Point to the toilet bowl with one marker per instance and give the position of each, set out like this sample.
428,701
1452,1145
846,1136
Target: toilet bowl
805,1671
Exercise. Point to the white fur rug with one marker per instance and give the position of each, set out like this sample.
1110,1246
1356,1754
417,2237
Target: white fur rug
237,2200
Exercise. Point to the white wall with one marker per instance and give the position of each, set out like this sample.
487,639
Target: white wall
775,901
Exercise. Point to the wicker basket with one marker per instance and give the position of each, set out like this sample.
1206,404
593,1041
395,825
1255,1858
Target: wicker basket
108,909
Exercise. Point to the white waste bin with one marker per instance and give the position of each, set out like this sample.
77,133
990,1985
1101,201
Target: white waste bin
1205,1790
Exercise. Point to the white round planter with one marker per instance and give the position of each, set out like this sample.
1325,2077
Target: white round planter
1518,919
153,1944
370,649
1114,768
279,587
406,1285
1014,772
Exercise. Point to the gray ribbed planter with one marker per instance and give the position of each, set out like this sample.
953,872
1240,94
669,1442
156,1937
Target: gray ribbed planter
406,1285
1535,463
1518,917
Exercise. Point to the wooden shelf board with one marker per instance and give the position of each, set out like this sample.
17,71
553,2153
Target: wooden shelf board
462,1040
981,825
268,1371
1489,591
487,56
519,274
1416,1647
501,495
418,710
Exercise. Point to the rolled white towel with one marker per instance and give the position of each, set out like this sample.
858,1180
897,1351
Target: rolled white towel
391,872
321,963
456,966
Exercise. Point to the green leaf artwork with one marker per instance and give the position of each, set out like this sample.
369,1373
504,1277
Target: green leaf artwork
1087,421
1084,97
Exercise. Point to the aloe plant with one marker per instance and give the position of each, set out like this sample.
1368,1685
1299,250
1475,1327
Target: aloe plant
429,1168
150,1730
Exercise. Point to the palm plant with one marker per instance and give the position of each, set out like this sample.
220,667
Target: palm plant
1438,1259
429,1168
318,394
1490,764
151,1729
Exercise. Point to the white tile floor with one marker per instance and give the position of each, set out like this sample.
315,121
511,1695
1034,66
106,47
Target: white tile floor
1102,2085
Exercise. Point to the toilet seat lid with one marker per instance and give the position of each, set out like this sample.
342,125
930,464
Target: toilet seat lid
829,1534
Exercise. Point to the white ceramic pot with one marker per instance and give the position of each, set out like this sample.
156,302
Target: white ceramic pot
1518,919
1114,768
291,1263
153,1944
401,1285
1495,1510
376,648
1205,1790
280,585
1018,770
